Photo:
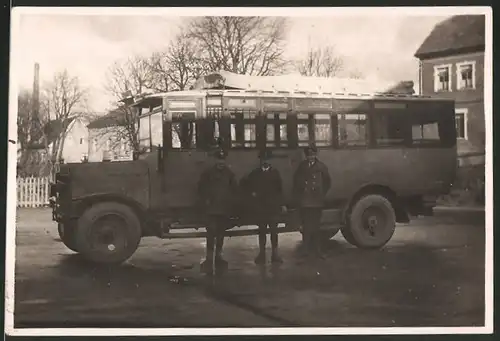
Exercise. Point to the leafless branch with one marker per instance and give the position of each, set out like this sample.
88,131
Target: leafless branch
64,98
243,45
321,62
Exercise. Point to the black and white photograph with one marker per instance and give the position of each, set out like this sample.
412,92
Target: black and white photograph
249,171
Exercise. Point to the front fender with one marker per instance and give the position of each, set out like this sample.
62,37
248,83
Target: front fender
81,203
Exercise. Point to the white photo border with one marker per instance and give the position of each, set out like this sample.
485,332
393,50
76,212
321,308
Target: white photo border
242,11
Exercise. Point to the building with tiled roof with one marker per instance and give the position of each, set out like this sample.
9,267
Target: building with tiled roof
452,66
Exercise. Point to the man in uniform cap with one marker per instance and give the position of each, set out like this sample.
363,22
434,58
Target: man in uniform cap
218,191
265,188
310,184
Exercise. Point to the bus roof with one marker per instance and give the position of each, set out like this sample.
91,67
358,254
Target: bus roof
380,91
296,94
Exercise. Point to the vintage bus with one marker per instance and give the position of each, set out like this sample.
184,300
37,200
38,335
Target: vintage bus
389,157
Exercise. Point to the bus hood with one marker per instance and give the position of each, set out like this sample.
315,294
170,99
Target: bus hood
128,178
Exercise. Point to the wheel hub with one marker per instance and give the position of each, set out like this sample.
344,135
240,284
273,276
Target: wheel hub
373,218
107,235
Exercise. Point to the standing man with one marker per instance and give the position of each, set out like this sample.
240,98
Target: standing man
218,192
310,184
265,189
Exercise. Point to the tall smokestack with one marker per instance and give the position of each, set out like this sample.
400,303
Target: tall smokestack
36,93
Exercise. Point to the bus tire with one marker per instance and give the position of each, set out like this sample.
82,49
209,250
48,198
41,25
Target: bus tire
372,222
67,235
108,233
346,233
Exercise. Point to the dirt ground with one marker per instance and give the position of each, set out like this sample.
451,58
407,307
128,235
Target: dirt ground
430,274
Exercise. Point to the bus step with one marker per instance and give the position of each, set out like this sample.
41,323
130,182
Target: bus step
178,226
229,233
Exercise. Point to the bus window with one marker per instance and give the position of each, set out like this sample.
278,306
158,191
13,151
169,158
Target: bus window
243,130
145,133
322,130
184,135
303,130
276,130
425,131
390,128
352,130
157,129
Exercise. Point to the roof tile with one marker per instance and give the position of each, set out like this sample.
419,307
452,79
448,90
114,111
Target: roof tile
455,34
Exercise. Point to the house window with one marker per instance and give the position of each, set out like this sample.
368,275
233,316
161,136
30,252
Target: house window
466,75
81,140
442,78
461,123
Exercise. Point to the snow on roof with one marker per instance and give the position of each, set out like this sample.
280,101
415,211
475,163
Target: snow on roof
292,82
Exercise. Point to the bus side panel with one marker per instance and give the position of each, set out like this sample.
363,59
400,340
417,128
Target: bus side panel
408,172
182,171
431,170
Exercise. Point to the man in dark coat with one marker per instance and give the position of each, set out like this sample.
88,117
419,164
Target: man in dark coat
310,184
265,189
217,189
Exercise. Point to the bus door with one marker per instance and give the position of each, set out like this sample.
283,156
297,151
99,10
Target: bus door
183,159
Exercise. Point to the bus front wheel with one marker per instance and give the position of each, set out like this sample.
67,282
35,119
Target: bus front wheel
67,235
371,223
108,233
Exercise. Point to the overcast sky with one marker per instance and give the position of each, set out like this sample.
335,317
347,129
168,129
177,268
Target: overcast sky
86,45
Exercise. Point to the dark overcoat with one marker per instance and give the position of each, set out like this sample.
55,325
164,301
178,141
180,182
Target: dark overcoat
310,184
263,190
218,191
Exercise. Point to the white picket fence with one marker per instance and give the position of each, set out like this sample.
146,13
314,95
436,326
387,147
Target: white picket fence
33,192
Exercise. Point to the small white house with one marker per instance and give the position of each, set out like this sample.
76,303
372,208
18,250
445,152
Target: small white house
108,138
74,146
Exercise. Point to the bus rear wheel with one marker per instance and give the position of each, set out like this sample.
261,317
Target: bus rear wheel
347,234
67,235
108,233
371,223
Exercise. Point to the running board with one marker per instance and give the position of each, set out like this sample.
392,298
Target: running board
229,233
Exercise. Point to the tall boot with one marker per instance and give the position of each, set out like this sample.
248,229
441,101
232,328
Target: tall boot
275,258
207,264
261,257
220,263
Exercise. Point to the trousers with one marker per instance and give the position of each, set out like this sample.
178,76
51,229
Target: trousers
311,220
216,227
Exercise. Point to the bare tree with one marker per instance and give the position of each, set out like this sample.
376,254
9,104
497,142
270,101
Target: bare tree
129,78
356,74
64,100
178,67
132,74
24,119
243,45
321,62
30,136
